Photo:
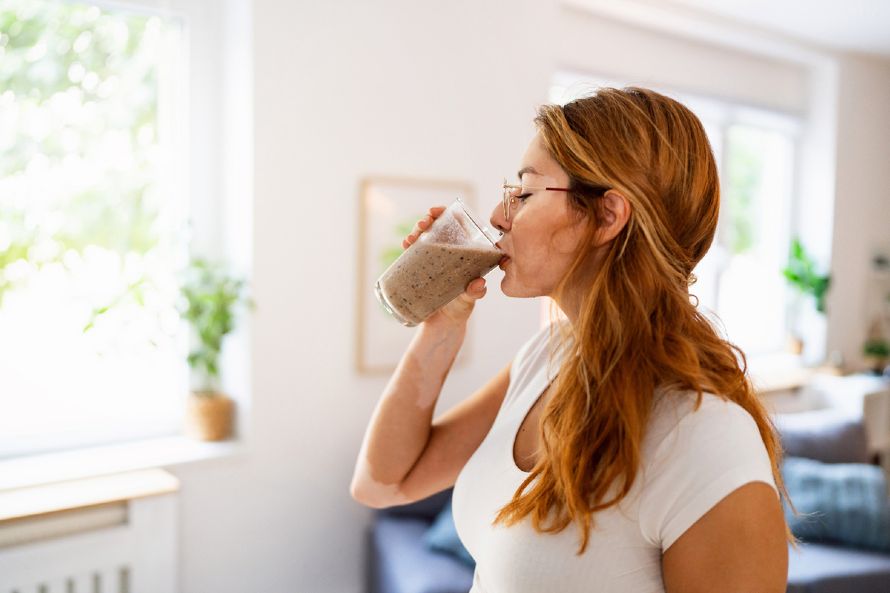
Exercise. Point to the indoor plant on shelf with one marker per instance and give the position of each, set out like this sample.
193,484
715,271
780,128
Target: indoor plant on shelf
800,272
876,349
210,302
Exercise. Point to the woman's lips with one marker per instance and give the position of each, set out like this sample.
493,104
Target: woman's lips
503,261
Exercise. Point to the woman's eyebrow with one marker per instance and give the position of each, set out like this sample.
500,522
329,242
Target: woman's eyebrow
525,170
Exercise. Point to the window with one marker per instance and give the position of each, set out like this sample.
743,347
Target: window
739,281
92,224
750,292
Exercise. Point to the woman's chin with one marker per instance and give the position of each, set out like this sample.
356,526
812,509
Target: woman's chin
510,288
507,287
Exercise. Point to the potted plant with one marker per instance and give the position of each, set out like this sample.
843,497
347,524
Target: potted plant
876,348
210,300
800,272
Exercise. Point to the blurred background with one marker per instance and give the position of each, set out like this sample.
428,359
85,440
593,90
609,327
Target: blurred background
178,176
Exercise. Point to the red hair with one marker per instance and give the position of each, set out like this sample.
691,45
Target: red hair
637,328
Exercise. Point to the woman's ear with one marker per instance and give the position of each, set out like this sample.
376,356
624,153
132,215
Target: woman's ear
616,211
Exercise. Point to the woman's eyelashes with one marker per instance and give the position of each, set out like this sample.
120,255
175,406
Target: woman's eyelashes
523,196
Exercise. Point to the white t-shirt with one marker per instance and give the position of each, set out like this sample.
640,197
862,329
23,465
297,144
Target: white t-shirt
690,461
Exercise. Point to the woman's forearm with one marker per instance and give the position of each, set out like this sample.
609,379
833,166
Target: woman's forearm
400,425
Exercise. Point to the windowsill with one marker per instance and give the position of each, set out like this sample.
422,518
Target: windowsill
21,472
781,380
782,372
89,493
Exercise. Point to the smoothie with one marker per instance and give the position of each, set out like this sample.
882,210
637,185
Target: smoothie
429,275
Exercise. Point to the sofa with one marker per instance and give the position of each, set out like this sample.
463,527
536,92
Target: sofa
830,437
398,561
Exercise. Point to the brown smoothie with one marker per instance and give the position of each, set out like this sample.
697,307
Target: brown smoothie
430,275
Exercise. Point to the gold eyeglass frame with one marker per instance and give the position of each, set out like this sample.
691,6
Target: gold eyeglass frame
509,197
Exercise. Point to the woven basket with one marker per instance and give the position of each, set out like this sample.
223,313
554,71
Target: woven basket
209,416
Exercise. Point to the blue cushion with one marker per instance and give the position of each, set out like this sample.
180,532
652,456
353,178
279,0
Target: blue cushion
845,503
401,563
442,537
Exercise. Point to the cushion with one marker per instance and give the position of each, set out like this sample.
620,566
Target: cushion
823,435
403,564
442,537
845,503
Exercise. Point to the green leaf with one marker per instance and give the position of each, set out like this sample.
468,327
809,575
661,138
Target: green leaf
211,298
800,271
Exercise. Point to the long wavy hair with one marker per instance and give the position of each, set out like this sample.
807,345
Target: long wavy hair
638,328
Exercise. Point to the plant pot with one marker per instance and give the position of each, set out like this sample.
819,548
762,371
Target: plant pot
794,344
209,416
876,364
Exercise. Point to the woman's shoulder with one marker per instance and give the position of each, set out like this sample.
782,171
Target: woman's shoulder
681,419
687,403
705,452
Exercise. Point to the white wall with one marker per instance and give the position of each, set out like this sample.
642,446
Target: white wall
862,213
607,45
347,89
344,90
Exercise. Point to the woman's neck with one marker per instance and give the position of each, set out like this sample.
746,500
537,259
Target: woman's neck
570,305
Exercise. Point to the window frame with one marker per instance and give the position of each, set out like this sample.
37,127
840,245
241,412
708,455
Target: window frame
213,124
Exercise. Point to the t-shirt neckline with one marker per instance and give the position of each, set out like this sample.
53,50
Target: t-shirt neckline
541,383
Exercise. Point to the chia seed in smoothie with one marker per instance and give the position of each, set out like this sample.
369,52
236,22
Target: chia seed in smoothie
429,275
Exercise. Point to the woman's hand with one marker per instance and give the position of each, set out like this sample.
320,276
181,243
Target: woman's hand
458,311
422,225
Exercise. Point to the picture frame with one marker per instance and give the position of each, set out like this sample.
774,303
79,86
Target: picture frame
388,209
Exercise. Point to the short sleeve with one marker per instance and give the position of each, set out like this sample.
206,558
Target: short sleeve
710,453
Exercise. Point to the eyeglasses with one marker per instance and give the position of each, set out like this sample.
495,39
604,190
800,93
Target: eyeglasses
511,189
510,194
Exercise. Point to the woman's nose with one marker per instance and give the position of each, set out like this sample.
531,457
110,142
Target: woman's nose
497,219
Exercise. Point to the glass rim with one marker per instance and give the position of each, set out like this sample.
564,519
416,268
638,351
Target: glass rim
481,229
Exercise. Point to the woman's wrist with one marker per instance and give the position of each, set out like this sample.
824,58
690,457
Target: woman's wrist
438,341
423,369
444,326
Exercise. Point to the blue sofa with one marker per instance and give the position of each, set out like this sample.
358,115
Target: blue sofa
399,562
821,568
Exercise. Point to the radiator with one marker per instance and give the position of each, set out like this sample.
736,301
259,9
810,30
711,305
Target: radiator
102,543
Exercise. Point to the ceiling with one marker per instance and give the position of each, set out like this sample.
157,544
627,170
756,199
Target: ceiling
851,25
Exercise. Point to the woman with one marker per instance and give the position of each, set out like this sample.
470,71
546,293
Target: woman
623,449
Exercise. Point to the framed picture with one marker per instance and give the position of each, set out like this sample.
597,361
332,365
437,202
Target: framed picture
388,210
